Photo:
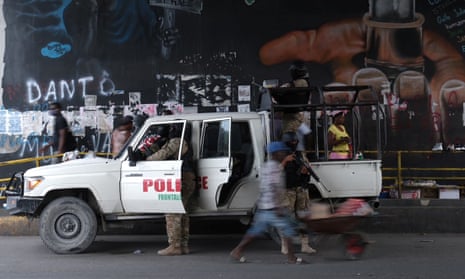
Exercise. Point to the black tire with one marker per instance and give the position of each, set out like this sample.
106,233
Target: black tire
68,226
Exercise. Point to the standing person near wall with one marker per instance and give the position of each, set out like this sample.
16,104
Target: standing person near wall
177,225
296,197
299,75
270,211
338,139
122,130
62,140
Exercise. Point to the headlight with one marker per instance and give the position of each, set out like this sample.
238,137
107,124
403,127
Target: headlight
32,182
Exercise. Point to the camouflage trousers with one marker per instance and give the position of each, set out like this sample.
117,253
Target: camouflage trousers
177,225
296,199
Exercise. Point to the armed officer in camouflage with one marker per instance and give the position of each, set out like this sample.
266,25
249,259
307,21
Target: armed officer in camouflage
177,225
296,198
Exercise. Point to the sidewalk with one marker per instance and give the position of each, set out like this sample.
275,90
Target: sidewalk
417,216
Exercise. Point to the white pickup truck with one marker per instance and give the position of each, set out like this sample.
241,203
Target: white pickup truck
77,199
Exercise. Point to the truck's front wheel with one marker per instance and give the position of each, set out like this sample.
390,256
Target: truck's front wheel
68,226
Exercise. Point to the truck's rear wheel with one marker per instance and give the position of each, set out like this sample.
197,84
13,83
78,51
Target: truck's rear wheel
68,226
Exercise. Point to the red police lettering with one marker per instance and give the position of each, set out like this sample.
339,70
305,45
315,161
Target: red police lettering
204,182
146,184
161,185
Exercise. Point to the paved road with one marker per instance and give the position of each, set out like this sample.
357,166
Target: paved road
390,256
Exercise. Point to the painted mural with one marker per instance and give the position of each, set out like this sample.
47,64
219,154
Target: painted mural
105,58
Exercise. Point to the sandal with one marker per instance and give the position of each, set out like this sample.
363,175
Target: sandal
236,259
298,260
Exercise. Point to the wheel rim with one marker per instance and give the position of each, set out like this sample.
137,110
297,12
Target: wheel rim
68,226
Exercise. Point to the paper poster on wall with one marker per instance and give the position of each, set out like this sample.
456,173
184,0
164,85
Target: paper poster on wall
134,100
75,123
148,109
32,123
3,121
90,100
88,118
218,91
168,88
243,108
192,89
104,121
15,124
243,93
174,107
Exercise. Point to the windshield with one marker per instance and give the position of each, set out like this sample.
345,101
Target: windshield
126,144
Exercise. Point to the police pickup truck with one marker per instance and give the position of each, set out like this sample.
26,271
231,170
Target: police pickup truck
79,198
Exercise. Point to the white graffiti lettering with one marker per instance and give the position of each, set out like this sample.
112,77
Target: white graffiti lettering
67,90
30,145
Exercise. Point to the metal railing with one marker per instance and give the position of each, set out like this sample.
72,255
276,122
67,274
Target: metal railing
419,169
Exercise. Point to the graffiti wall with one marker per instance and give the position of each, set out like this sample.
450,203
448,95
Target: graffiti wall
105,58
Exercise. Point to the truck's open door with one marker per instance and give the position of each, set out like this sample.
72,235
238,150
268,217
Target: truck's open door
215,163
153,186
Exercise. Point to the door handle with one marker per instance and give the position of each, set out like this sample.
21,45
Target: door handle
134,175
222,170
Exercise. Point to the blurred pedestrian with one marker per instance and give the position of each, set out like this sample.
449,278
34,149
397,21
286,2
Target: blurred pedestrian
270,212
62,139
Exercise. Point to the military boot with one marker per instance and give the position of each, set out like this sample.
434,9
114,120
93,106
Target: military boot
305,248
171,250
185,249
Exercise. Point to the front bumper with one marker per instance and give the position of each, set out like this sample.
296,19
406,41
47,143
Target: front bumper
17,205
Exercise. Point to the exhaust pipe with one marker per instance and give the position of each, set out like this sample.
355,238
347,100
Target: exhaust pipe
374,203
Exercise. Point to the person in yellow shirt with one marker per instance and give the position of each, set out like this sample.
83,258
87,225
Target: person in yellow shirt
338,139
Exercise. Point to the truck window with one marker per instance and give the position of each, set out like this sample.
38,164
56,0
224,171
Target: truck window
154,138
216,140
241,148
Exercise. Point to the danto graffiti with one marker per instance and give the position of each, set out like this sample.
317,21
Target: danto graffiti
103,59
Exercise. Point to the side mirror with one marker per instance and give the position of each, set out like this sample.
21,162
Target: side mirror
132,156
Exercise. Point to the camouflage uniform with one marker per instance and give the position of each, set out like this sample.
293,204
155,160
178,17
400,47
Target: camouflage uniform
296,197
292,121
177,225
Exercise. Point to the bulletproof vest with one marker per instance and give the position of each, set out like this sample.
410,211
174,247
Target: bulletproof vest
292,170
294,177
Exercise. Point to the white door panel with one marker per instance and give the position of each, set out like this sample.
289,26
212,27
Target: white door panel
152,187
214,173
214,165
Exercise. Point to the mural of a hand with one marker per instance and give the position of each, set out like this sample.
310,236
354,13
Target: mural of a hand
337,43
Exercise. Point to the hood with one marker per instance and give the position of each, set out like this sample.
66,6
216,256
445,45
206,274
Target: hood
84,166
